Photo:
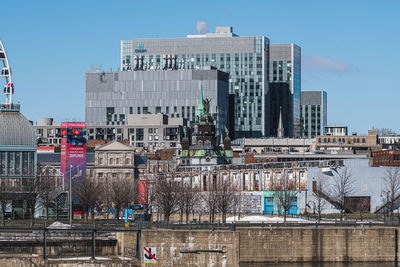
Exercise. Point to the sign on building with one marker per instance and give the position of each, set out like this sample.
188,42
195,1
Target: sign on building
149,255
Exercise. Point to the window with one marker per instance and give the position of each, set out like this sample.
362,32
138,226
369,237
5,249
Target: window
114,175
100,174
145,110
158,110
127,160
117,161
100,161
150,137
156,138
156,130
131,110
138,110
150,130
167,110
111,161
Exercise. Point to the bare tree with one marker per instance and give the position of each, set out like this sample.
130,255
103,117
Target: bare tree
226,198
106,194
384,131
165,196
284,193
87,190
391,182
122,193
46,189
5,196
32,196
318,187
187,197
210,201
342,186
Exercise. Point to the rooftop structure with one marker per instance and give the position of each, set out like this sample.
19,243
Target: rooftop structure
204,149
336,130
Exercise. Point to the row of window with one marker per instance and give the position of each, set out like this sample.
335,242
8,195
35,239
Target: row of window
116,161
113,175
341,140
386,158
156,144
17,163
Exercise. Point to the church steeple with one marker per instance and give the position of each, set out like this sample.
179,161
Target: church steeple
280,125
200,106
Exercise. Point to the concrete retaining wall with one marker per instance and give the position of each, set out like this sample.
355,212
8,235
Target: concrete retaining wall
196,247
324,244
264,245
58,243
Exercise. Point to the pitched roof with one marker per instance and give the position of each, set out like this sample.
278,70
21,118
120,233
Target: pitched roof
114,146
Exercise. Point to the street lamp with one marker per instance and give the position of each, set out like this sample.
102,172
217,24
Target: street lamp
79,173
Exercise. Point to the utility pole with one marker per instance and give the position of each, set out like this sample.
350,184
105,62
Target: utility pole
70,195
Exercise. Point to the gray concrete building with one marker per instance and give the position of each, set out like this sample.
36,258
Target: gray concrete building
140,130
245,59
112,96
314,113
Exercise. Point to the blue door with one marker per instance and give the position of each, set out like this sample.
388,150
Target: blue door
268,205
293,206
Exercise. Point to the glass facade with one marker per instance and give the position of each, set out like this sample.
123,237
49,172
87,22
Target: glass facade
285,66
247,68
17,163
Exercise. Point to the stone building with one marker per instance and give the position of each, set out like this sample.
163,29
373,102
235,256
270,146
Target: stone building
114,160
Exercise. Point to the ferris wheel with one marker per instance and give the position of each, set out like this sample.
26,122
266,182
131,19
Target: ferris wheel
6,73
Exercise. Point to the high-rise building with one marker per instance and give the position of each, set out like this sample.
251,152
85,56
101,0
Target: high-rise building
245,59
285,67
112,96
313,113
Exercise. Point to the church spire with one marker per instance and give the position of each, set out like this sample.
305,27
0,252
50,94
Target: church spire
280,125
200,106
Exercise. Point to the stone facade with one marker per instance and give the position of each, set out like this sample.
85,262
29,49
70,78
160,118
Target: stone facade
114,160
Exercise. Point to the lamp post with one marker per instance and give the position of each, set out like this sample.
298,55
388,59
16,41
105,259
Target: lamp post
70,195
79,173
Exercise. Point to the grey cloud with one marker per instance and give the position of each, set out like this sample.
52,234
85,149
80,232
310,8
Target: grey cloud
201,27
314,63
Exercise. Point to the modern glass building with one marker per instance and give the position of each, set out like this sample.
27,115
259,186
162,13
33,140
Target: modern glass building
313,113
285,67
245,59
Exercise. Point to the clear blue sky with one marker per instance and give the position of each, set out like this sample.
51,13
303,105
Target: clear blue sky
350,48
